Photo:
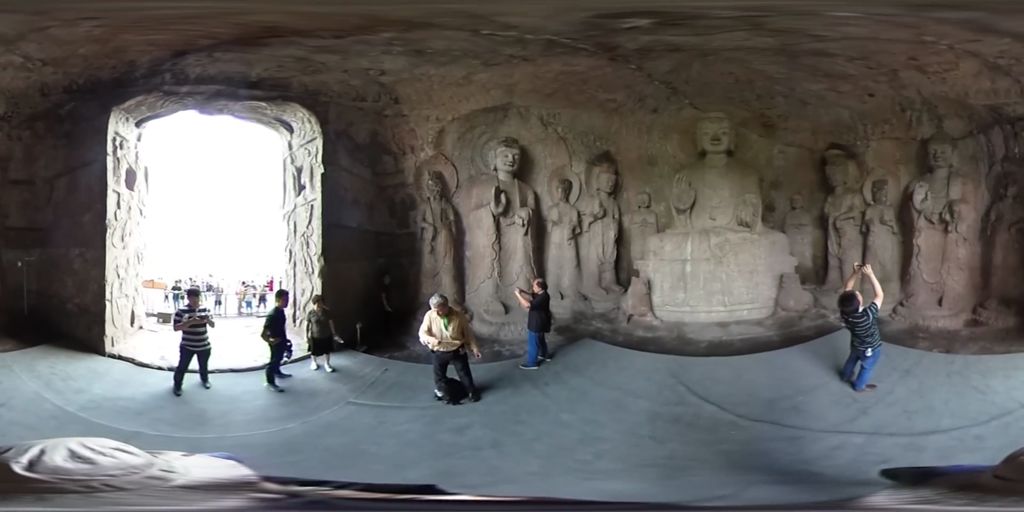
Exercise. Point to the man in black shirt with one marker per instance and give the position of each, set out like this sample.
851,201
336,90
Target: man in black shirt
276,336
538,323
865,339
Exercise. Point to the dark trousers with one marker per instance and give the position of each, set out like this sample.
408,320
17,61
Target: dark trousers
458,358
276,356
185,359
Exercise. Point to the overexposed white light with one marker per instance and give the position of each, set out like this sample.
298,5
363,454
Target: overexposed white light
214,205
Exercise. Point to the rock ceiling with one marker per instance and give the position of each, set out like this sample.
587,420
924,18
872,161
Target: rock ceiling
786,62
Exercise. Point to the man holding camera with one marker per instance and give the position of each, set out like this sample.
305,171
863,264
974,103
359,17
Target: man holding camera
192,320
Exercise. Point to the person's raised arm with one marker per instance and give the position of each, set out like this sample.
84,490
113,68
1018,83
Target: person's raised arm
875,285
521,297
851,282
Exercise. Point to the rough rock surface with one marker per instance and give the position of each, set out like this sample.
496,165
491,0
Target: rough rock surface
392,83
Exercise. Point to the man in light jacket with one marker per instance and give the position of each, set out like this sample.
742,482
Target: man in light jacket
446,332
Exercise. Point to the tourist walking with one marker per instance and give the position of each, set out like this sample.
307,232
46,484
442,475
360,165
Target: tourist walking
865,339
538,322
321,334
446,332
192,320
276,335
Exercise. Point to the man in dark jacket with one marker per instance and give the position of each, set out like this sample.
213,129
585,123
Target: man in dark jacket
538,303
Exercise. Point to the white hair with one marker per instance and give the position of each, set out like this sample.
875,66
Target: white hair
438,299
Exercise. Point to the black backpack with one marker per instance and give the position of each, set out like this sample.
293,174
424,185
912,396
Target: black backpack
453,393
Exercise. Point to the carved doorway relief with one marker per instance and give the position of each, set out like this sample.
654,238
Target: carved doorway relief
127,184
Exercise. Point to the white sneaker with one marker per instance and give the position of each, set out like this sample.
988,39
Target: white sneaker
328,368
312,365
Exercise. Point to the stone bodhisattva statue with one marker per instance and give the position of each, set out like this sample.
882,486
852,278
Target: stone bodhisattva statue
882,244
601,222
717,263
643,223
499,233
437,238
1004,230
799,228
563,255
943,206
844,213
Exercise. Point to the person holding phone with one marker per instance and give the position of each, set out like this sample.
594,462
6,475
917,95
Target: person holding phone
192,320
865,338
538,322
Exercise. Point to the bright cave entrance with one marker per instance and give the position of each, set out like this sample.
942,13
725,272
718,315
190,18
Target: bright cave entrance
212,220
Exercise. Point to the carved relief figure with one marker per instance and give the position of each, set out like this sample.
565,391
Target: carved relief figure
716,192
601,222
799,229
844,212
499,231
1005,229
963,226
437,236
882,246
643,223
563,257
939,203
718,262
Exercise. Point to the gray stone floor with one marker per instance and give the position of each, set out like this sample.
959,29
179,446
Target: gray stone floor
599,422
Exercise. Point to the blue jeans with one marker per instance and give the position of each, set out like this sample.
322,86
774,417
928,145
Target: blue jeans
536,346
867,365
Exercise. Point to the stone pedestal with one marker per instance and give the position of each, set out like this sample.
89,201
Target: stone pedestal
716,275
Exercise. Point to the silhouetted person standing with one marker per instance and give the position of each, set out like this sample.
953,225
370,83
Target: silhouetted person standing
446,332
865,339
192,321
538,323
276,335
320,334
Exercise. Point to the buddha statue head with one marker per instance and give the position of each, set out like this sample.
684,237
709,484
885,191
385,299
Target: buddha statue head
563,189
434,185
605,172
643,200
796,202
714,134
880,192
941,152
838,168
506,155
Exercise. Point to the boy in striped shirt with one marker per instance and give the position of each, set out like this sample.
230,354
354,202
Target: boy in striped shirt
865,340
192,320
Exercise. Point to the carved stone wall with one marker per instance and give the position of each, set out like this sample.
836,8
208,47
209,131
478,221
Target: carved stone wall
127,184
301,204
391,92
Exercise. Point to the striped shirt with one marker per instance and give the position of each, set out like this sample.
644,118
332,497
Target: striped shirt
863,326
194,337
